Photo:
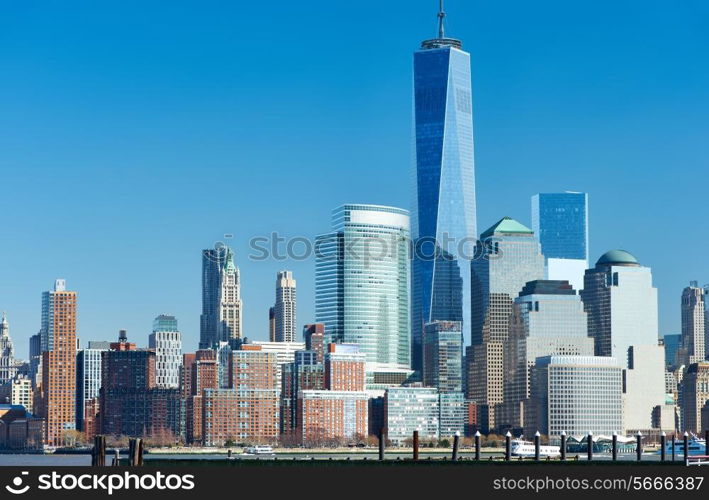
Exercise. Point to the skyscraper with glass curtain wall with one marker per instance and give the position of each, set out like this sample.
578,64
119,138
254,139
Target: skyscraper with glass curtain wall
444,208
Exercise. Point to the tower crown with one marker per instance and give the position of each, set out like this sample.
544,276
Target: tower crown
441,41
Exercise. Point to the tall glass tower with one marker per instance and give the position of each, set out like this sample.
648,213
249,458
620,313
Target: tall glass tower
444,212
560,221
362,284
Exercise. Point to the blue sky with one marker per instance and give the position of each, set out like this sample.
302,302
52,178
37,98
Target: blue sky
133,134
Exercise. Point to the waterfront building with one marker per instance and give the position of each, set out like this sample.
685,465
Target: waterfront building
452,415
20,431
307,372
88,380
362,283
547,319
166,341
409,409
58,344
331,417
695,394
560,221
443,356
253,368
621,304
444,207
509,257
247,416
576,395
284,310
643,386
222,316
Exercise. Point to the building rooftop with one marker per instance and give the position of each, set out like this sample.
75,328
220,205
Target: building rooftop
617,258
547,287
506,225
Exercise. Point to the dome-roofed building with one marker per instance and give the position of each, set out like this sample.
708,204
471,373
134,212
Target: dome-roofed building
617,258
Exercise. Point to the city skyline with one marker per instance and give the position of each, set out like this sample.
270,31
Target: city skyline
105,306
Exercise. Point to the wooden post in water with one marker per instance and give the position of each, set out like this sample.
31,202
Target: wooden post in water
663,445
416,445
614,447
508,446
477,445
456,444
589,454
382,443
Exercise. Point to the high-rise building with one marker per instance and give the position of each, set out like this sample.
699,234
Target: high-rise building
8,366
130,402
58,343
621,304
643,386
409,409
508,258
692,348
672,344
452,414
21,393
443,356
706,322
306,373
36,360
330,417
547,319
560,221
362,283
244,416
314,336
284,310
88,381
221,317
271,324
344,368
444,207
576,395
166,341
694,396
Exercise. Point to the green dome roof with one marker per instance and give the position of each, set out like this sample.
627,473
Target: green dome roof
618,257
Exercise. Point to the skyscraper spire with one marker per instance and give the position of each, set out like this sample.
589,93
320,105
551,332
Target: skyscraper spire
441,20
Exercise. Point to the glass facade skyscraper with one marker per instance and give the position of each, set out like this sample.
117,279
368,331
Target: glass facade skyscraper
362,283
221,318
444,208
560,221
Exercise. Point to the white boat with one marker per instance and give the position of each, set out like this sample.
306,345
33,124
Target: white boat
695,446
521,448
258,450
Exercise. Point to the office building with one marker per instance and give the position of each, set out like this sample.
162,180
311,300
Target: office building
444,207
443,356
694,396
621,304
253,368
409,409
271,324
560,221
20,431
362,283
36,360
643,386
221,317
547,319
166,341
21,393
58,344
509,257
692,348
246,416
284,310
452,414
672,344
576,395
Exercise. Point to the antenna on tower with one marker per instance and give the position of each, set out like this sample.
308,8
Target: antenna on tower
441,18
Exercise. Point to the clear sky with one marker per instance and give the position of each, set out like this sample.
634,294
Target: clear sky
135,133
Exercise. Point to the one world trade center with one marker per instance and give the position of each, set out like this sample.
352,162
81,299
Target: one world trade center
444,211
